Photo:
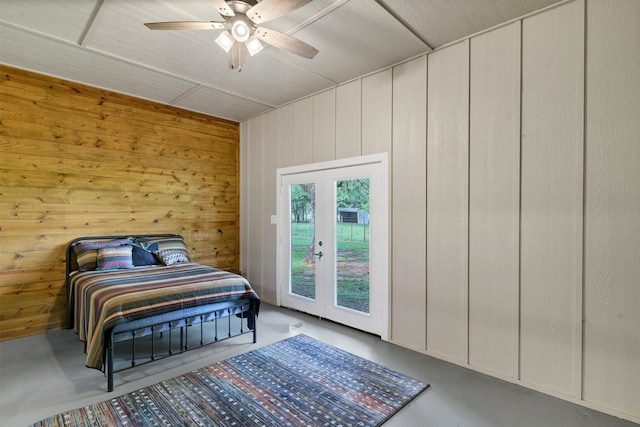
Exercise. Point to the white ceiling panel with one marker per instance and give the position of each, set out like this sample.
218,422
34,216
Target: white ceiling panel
268,77
443,21
104,43
68,61
120,32
65,19
356,38
215,103
308,13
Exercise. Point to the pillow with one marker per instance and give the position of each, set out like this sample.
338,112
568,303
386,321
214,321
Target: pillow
87,252
143,255
114,258
171,243
172,256
143,242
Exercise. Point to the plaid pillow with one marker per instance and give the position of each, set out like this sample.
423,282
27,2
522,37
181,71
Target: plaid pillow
114,258
87,252
171,243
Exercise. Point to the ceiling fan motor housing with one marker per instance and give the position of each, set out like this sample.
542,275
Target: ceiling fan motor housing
239,6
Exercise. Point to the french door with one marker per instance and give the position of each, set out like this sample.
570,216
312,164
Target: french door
333,251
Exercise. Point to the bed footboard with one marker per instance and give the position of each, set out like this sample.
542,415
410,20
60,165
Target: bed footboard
167,306
165,335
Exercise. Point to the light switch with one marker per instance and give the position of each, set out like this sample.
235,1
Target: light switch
274,219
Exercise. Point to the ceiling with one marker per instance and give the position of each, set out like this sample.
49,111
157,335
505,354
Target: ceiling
103,43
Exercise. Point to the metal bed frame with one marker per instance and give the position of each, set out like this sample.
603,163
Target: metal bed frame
155,327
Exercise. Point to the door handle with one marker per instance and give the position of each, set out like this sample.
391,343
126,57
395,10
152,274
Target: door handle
319,254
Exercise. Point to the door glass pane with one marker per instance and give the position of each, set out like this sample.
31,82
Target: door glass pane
352,244
303,262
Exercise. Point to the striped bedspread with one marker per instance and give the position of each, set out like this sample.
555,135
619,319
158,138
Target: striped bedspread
103,299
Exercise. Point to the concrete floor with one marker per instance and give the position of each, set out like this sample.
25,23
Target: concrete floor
44,375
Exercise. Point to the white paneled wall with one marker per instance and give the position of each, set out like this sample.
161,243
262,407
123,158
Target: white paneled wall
515,197
408,226
448,202
349,120
251,204
324,126
612,207
377,112
303,131
284,137
551,198
494,200
269,164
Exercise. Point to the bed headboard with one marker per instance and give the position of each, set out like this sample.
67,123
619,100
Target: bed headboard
71,263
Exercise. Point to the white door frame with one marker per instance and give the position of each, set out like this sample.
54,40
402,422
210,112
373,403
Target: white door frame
381,268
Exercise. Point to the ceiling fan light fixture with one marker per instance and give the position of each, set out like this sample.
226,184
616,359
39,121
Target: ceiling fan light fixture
225,41
240,31
253,45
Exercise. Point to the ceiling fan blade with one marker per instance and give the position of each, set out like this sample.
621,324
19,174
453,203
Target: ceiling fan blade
285,42
185,25
222,7
237,55
267,10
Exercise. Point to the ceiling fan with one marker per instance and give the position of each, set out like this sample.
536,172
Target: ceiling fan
241,36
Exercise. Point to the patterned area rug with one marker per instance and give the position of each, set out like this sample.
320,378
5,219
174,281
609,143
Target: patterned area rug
295,382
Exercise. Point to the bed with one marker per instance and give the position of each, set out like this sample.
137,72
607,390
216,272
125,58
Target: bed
144,293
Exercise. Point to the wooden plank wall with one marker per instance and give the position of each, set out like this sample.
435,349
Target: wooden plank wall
79,161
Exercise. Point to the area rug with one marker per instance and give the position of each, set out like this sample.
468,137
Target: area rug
295,382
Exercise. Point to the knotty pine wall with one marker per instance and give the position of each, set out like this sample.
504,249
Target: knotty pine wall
79,161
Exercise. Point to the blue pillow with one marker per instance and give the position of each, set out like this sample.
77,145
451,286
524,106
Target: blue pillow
144,256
